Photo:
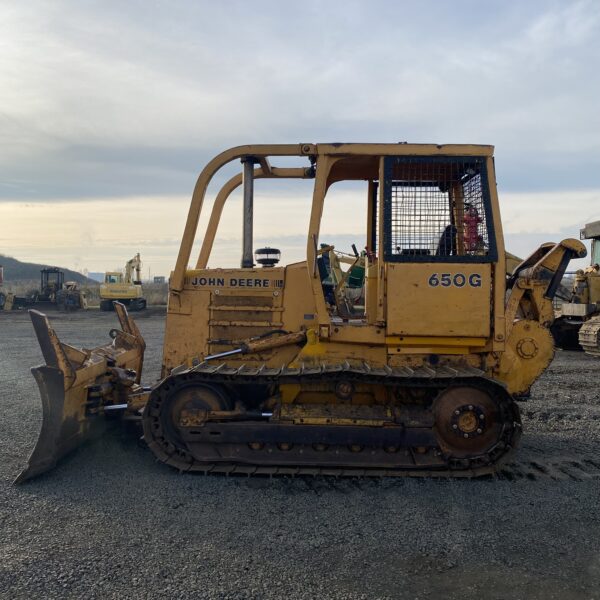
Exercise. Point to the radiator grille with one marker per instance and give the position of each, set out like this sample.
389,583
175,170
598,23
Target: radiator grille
235,318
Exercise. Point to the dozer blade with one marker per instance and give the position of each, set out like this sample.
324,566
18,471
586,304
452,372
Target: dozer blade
60,432
76,385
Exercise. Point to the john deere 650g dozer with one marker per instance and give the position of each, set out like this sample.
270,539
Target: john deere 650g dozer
265,372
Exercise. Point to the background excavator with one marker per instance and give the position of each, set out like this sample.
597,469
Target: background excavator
264,373
124,287
577,324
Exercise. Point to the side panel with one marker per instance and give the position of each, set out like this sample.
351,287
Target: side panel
219,308
439,299
186,328
116,291
299,308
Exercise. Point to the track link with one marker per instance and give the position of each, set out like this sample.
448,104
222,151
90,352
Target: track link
589,336
556,468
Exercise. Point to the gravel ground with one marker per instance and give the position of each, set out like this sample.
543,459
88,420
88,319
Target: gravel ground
110,522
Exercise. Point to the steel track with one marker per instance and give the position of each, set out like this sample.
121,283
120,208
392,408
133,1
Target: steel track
557,469
589,336
248,462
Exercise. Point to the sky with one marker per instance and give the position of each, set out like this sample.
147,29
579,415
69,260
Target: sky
109,110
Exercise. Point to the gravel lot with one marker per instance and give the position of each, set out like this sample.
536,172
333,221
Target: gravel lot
110,522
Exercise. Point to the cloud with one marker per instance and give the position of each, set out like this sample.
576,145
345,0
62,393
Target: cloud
123,99
100,234
128,101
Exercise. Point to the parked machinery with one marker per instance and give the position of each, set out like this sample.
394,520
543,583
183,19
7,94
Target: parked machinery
3,295
71,297
261,372
577,323
122,286
53,293
52,282
589,333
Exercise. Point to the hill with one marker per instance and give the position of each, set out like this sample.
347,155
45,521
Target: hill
16,271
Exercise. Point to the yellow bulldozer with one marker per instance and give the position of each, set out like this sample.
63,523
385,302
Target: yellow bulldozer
262,373
124,287
577,323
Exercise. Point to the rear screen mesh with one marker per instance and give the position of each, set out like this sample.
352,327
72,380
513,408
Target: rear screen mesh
437,209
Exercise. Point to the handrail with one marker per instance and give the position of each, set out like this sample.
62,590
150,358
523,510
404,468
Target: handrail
191,225
224,193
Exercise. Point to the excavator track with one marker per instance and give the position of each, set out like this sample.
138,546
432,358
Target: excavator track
589,336
418,445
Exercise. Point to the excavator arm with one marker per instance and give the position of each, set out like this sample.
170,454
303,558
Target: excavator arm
134,264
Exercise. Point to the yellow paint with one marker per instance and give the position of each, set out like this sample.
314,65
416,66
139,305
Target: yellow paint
519,369
428,350
426,306
392,340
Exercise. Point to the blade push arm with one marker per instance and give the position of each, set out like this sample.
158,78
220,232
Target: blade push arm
263,344
536,280
529,313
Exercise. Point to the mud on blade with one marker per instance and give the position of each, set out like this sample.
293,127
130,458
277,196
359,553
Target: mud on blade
77,385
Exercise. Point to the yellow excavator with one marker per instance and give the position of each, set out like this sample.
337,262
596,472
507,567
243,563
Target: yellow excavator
263,373
123,287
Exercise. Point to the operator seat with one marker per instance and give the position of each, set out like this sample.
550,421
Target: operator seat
326,283
447,242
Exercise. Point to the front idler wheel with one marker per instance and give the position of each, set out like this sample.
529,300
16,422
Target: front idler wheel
173,406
